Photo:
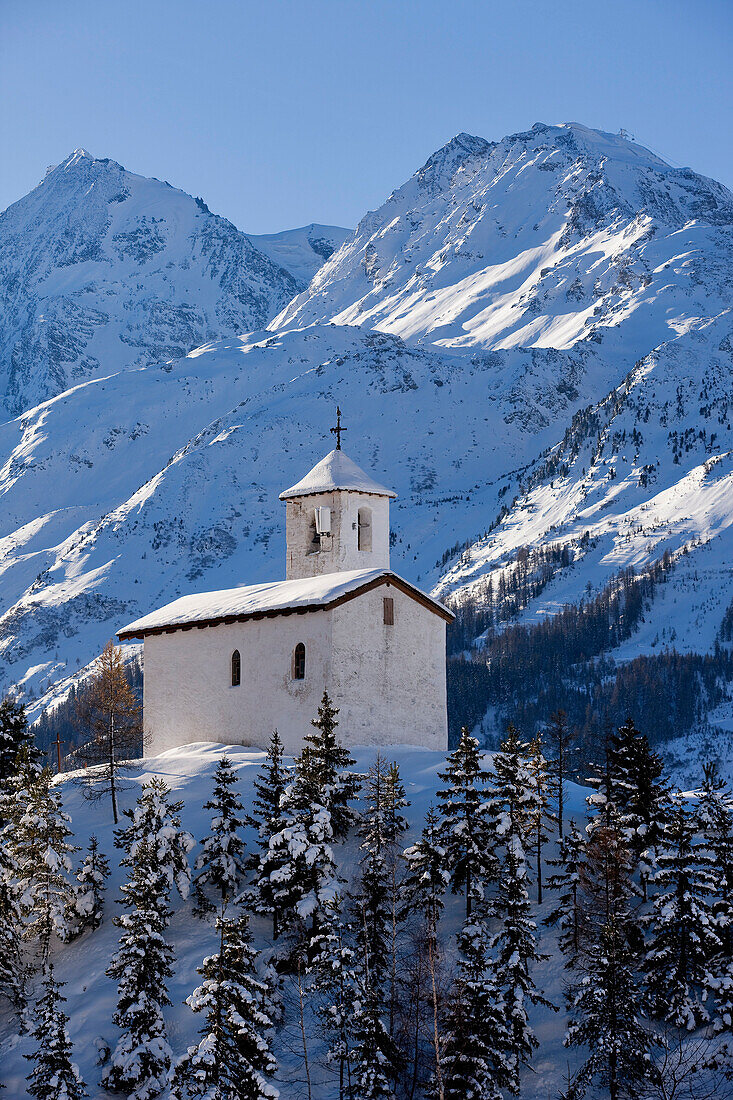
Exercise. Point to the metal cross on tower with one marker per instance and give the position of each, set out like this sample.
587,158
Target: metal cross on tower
338,429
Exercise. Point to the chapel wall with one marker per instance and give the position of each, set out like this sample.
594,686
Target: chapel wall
340,552
187,684
389,681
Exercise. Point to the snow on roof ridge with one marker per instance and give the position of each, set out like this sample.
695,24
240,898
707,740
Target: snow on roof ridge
336,471
268,598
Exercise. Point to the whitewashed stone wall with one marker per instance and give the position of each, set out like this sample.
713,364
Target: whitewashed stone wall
388,681
340,551
187,693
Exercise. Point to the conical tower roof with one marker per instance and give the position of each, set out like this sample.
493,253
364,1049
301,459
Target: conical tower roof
336,471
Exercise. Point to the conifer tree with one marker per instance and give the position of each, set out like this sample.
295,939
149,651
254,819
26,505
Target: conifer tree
395,827
476,1034
156,853
54,1075
424,886
334,971
683,931
604,1019
715,816
372,898
373,1055
466,831
43,857
568,914
299,862
641,796
603,1002
233,1060
110,714
85,910
515,942
330,761
560,739
221,861
14,734
268,818
540,814
11,925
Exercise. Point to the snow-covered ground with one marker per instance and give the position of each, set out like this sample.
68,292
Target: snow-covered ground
188,771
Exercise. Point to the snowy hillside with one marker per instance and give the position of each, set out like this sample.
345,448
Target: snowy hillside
531,340
301,251
101,269
82,964
172,486
544,239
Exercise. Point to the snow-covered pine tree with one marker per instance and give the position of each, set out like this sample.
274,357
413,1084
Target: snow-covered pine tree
14,733
334,971
641,795
568,914
603,1018
233,1060
423,891
221,862
466,831
373,915
330,762
395,827
299,862
86,908
11,925
515,942
140,1062
54,1076
268,819
156,852
715,816
373,1054
560,739
475,1028
684,937
540,816
43,854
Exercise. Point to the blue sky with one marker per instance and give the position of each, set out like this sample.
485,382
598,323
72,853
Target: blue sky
282,112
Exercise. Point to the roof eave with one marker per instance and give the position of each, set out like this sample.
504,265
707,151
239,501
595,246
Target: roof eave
227,620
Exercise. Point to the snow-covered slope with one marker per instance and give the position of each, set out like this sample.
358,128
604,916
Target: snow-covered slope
558,274
301,251
91,994
544,239
102,269
131,490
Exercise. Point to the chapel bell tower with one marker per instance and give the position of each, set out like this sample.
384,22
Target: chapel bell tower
336,518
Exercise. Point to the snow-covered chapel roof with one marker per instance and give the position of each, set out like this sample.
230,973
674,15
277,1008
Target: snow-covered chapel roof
258,601
336,471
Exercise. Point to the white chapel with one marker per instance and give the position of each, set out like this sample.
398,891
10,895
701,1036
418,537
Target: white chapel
234,665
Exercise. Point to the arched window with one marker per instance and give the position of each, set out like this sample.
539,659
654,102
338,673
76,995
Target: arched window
365,529
236,669
299,662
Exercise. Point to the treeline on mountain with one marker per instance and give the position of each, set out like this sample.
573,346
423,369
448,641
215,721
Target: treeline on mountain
371,982
526,672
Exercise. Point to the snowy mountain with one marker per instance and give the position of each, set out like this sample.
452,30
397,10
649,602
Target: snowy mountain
101,269
301,251
545,239
531,340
